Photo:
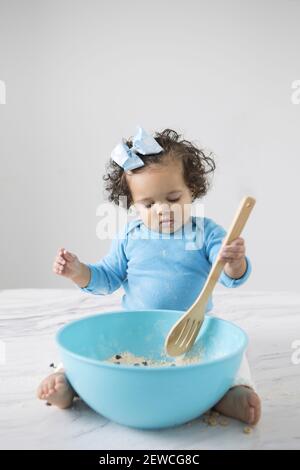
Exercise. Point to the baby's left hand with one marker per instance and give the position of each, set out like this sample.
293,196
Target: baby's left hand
234,252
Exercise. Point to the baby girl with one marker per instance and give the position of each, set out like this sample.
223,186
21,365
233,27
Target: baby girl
155,257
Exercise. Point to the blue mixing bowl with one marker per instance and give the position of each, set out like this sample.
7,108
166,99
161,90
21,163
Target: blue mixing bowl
148,397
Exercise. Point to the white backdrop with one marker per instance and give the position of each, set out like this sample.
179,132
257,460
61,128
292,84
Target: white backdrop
80,75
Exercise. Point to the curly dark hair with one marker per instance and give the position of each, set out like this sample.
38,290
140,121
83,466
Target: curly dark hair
196,167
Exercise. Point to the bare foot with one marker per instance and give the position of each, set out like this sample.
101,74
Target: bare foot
240,402
56,390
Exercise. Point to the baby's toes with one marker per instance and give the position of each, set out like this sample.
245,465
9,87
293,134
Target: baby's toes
60,378
39,391
254,407
46,386
50,392
44,391
51,385
60,387
60,382
251,415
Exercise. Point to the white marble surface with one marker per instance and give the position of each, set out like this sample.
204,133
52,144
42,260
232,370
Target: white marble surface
29,319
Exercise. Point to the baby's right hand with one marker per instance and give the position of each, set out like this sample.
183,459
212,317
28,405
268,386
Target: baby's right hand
67,264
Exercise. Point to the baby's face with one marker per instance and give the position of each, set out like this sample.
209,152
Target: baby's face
160,194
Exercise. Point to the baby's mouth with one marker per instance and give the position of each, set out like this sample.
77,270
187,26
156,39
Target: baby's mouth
166,222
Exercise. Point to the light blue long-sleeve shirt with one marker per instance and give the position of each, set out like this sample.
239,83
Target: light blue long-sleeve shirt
161,270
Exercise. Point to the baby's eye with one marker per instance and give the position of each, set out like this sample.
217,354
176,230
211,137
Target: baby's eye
170,200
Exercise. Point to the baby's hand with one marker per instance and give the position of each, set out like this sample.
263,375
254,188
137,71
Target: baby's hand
234,253
234,256
67,264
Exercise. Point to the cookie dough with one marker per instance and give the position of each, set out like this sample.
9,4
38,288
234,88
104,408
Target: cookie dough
128,358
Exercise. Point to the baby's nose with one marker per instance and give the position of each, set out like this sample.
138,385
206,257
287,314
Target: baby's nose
162,209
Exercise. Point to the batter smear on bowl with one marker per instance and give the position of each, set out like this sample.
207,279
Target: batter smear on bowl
128,358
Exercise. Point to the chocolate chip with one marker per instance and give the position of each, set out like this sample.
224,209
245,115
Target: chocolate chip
48,404
145,363
117,362
173,365
136,364
118,356
51,365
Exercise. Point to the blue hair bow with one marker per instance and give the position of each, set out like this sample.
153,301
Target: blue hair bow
142,143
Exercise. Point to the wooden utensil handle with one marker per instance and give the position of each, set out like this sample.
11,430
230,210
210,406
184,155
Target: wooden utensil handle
234,231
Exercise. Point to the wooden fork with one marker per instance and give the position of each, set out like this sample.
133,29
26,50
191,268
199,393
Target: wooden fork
183,334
